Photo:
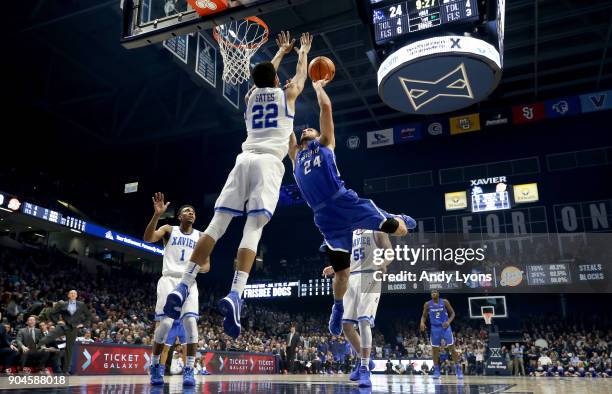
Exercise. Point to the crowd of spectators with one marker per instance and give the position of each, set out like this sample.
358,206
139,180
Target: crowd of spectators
122,313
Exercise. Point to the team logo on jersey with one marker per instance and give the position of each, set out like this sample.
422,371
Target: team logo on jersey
109,235
454,84
511,276
353,142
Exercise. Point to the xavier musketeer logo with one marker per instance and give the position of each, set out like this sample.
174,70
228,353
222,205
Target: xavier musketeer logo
453,84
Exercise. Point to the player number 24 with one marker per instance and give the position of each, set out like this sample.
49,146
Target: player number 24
315,163
265,117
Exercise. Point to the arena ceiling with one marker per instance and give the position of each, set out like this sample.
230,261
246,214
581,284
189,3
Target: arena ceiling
69,68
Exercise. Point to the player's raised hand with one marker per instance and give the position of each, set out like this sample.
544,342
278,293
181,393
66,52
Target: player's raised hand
284,42
305,43
288,84
321,83
328,271
158,204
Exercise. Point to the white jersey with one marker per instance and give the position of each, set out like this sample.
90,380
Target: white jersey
269,122
177,251
362,254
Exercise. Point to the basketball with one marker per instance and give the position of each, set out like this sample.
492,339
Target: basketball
320,67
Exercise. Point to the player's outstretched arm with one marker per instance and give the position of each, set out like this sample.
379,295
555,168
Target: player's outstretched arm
451,312
301,71
293,148
326,118
159,207
424,316
285,45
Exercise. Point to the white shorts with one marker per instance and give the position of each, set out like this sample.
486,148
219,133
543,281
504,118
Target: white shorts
361,298
255,180
165,285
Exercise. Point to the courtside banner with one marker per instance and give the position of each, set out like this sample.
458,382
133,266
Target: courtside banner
110,359
234,363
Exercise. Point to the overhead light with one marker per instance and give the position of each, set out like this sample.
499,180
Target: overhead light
7,229
39,235
75,231
7,210
63,203
29,227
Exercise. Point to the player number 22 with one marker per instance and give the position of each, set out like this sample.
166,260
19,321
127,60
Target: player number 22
315,163
265,117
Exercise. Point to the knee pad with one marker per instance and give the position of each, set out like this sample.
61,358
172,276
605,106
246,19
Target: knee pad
191,329
217,226
365,333
252,232
161,332
389,226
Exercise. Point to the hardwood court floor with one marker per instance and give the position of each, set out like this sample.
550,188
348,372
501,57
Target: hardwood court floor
338,384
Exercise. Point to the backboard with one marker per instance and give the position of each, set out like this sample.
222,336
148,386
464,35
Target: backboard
495,304
148,22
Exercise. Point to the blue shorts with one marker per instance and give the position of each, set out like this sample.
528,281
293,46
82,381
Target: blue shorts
438,333
177,331
338,217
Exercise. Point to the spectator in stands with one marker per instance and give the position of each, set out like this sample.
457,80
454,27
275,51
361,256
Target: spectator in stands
8,352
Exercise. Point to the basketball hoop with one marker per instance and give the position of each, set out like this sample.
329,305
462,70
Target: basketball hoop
239,40
488,316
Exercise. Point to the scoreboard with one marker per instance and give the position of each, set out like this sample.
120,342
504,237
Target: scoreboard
548,274
393,19
300,288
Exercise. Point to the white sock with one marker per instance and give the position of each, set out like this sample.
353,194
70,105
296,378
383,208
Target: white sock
240,280
365,362
191,271
155,359
190,361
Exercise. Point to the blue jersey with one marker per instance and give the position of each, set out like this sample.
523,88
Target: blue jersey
437,313
316,173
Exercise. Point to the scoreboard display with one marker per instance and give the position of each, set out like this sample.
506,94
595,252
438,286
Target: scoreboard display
394,19
548,274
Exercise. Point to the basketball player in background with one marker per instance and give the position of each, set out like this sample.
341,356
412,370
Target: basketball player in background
361,298
255,179
338,211
441,314
179,242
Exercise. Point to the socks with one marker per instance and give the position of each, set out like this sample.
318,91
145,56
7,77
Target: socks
191,271
155,359
365,361
240,280
190,361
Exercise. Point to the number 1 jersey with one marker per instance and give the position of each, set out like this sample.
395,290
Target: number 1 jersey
177,251
269,122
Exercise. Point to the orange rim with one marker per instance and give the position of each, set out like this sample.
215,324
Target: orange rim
255,19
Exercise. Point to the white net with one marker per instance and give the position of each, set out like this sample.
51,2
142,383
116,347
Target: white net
488,316
239,40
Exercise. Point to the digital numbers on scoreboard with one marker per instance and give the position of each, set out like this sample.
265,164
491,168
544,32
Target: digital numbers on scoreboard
548,274
315,287
397,18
